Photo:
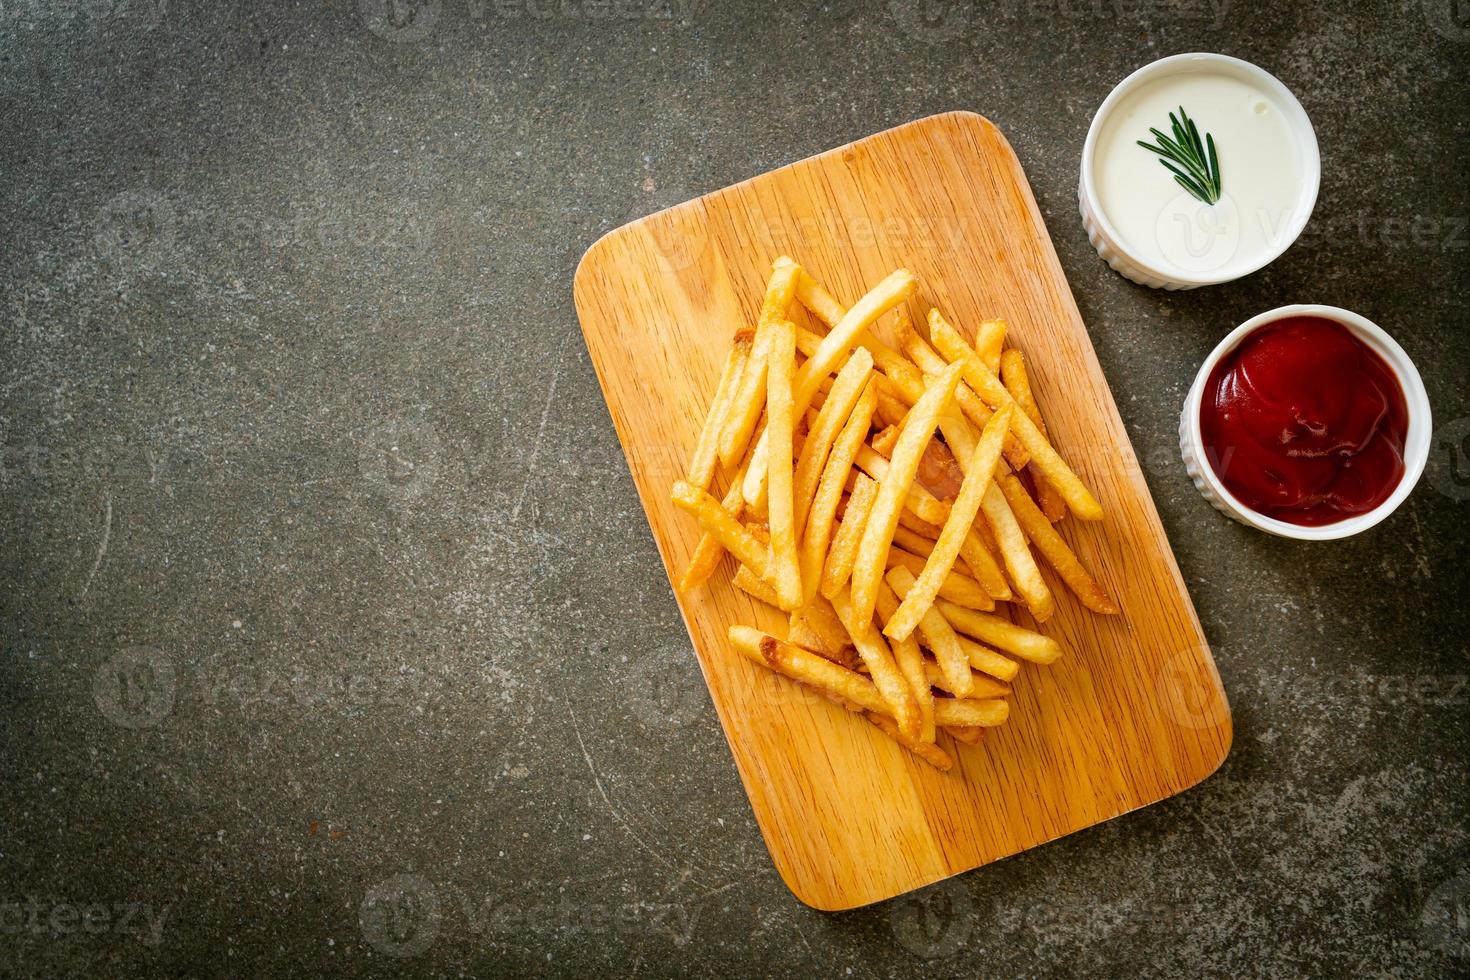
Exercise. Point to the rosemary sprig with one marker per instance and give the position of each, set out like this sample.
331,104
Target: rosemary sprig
1198,167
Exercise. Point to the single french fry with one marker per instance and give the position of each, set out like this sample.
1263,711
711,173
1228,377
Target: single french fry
840,557
894,289
969,736
709,551
981,685
911,664
987,661
970,713
1055,550
850,384
707,449
918,525
1020,564
818,533
989,340
988,387
982,563
938,636
918,429
747,401
962,514
754,586
718,521
923,504
1013,375
822,304
880,663
818,622
1001,633
883,442
924,749
807,667
780,430
956,587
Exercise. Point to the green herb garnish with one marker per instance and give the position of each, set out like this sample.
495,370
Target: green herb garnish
1201,168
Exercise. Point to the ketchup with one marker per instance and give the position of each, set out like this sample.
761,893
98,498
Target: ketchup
1303,422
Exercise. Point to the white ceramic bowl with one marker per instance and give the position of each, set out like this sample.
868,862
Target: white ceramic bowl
1416,443
1105,237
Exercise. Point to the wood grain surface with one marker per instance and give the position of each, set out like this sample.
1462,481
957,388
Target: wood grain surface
1133,713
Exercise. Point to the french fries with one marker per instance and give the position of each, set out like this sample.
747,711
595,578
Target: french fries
989,388
918,429
889,581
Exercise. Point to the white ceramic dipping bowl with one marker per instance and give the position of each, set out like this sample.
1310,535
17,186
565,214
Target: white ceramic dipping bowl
1416,443
1127,260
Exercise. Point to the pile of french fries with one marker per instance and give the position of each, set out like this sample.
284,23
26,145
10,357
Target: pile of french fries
885,490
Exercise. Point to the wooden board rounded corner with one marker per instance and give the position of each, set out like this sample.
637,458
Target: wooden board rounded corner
1134,714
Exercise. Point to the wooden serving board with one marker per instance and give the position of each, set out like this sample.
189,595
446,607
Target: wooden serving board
1133,713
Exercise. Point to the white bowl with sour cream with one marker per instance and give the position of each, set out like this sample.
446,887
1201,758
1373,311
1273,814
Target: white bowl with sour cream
1146,225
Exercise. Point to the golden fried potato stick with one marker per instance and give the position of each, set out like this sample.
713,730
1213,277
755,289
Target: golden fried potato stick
1001,633
818,533
916,524
817,623
881,666
707,449
918,429
754,586
750,395
720,523
785,573
923,504
986,660
808,668
989,388
971,713
843,552
849,386
1020,564
969,736
1036,527
956,587
926,750
1013,375
911,664
908,383
989,340
938,636
981,685
896,288
709,551
963,511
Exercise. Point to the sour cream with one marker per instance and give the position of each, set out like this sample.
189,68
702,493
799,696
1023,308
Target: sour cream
1268,166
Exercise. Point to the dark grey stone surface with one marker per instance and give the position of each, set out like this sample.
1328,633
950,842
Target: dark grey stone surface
332,636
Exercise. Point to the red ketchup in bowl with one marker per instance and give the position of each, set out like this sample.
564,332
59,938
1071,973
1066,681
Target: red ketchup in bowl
1305,423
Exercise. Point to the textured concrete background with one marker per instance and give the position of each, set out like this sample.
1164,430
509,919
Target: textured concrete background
332,636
